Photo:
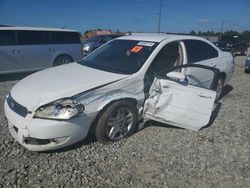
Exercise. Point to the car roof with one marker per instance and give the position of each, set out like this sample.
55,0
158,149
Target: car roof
35,29
157,37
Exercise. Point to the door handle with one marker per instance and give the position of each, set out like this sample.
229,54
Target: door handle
204,96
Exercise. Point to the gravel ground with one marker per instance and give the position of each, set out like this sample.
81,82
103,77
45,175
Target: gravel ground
157,156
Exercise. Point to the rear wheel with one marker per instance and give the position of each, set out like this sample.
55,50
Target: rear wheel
118,121
63,59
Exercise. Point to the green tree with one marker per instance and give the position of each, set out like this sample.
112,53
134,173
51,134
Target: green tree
192,32
200,33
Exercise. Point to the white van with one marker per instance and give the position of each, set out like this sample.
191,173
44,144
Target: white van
30,49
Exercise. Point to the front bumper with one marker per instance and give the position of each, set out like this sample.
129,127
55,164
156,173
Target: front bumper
38,134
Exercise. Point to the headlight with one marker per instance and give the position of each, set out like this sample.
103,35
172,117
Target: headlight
61,110
86,48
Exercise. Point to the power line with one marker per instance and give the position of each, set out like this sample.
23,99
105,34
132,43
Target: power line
221,30
159,21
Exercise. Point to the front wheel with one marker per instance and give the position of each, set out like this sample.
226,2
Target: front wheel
118,121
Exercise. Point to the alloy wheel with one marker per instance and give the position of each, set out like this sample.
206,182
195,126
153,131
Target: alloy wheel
119,123
64,61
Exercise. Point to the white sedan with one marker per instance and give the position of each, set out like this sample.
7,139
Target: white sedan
172,79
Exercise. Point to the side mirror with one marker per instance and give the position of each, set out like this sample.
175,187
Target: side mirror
176,76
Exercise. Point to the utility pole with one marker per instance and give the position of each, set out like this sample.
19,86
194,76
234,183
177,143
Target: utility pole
221,30
159,21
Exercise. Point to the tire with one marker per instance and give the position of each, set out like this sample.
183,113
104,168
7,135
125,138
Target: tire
62,59
118,121
219,89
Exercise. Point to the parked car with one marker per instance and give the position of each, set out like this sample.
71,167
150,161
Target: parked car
30,49
247,65
95,42
172,79
223,46
240,49
231,40
235,44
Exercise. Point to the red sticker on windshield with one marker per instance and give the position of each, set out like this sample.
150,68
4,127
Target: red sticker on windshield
136,49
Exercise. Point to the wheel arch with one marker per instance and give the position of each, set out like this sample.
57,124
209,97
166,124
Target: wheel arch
102,110
223,75
60,55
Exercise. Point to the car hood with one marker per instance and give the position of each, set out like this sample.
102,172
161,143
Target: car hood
59,82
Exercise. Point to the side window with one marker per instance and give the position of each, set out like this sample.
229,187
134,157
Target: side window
59,37
31,38
199,51
169,56
7,38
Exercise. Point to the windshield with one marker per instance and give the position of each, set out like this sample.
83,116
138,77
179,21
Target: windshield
120,56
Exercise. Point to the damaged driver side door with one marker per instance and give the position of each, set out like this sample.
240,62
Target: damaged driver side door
174,101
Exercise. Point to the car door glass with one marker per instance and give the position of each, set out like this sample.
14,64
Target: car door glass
7,38
30,37
194,78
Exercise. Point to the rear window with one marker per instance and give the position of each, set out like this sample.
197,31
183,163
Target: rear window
65,37
7,38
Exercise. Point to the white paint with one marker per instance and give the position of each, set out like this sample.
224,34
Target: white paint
176,75
149,44
59,82
180,105
169,102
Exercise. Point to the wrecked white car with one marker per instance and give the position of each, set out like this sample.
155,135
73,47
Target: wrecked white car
166,78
